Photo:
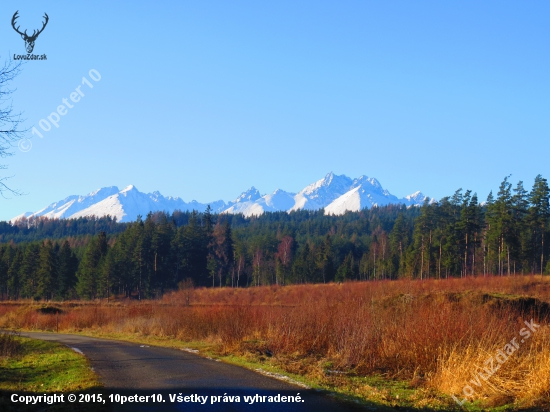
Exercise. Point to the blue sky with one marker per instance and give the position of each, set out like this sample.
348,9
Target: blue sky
204,99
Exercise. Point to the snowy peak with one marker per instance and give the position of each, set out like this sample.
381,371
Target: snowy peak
105,191
74,204
250,195
129,189
277,201
369,181
367,192
319,194
418,199
330,183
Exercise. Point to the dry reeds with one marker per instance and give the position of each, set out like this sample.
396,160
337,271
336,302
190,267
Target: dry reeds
440,333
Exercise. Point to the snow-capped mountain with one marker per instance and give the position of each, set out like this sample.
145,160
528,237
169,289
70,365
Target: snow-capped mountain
125,205
72,204
250,195
367,192
417,198
277,201
336,194
321,193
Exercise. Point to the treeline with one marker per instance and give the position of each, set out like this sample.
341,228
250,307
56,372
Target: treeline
38,227
457,236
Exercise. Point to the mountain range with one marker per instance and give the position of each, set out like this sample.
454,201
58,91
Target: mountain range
336,194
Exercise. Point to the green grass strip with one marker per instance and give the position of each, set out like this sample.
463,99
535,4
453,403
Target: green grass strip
41,367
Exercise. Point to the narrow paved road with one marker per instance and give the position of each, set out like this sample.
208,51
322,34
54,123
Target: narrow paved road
130,368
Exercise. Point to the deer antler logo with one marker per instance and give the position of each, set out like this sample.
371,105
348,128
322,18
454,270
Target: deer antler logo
29,40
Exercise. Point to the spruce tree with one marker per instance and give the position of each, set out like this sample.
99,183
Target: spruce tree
14,275
89,269
47,272
539,213
29,268
398,241
66,273
520,206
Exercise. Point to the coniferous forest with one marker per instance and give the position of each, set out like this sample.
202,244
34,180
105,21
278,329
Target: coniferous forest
99,258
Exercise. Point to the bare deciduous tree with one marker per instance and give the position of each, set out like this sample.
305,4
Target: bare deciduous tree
10,122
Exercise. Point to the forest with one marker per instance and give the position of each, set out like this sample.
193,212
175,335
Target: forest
99,258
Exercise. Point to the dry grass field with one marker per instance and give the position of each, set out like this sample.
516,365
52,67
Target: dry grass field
471,338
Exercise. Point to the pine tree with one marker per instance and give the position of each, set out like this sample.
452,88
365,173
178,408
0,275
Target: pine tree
208,220
6,256
47,272
66,273
285,252
468,227
345,270
446,234
364,266
500,230
241,260
222,250
191,253
539,213
29,268
520,206
162,253
89,269
324,261
304,265
14,277
422,236
398,241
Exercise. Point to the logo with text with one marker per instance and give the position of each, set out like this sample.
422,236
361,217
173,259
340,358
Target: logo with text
29,40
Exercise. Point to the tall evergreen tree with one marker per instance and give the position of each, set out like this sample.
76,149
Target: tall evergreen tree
284,256
29,268
304,265
324,261
66,272
47,272
89,270
7,254
469,225
539,213
346,269
14,275
398,241
500,228
222,250
520,236
422,236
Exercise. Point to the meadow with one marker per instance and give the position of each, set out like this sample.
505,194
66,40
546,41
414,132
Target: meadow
474,338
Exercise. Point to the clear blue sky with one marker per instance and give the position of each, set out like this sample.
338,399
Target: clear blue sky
203,99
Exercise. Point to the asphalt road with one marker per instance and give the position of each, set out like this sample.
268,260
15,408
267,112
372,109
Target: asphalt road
133,369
